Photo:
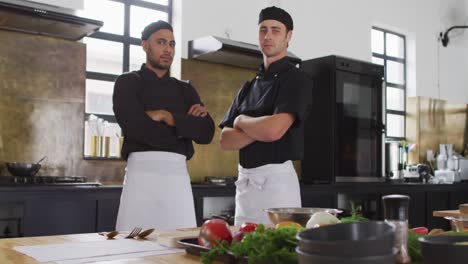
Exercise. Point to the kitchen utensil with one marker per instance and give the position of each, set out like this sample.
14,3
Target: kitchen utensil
350,240
170,238
145,233
306,258
134,232
396,214
109,235
191,247
444,249
24,169
42,159
463,164
298,215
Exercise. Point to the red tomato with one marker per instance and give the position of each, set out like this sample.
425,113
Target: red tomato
248,227
214,231
420,230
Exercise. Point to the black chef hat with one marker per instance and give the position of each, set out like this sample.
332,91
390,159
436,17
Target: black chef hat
154,27
278,14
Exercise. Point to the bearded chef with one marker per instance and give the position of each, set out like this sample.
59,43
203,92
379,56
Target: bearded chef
265,123
160,116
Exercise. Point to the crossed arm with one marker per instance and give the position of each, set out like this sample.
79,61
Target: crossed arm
196,124
248,129
166,116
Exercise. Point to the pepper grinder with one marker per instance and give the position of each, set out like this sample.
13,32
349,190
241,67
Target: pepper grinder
396,214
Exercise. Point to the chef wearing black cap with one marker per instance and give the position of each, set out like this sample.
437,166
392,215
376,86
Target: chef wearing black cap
265,123
160,116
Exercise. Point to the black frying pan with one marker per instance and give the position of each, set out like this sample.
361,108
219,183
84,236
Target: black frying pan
24,169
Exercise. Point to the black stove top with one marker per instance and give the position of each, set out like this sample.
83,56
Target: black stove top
45,180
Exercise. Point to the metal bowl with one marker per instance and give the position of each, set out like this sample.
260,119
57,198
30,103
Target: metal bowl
305,258
350,240
444,249
298,215
23,169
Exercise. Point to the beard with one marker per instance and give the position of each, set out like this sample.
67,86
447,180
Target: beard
156,64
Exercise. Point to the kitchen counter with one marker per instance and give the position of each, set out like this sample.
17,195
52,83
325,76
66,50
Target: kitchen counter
9,255
31,210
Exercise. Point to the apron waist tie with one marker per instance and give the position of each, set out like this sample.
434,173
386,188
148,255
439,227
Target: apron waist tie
255,180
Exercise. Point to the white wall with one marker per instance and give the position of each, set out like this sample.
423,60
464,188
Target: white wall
72,4
342,27
454,58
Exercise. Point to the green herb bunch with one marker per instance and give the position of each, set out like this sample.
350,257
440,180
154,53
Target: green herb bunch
262,246
356,215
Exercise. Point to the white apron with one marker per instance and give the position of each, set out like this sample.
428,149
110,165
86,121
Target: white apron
268,186
156,192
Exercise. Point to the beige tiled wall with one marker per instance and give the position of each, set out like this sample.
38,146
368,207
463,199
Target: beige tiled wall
431,122
217,85
42,87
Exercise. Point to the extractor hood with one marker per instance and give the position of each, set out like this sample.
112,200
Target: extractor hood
229,52
46,20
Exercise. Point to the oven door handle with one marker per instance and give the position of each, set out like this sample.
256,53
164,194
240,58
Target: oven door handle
379,127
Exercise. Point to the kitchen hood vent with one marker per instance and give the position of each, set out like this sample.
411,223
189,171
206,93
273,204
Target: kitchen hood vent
28,17
230,52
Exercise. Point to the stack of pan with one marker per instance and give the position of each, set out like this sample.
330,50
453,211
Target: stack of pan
351,243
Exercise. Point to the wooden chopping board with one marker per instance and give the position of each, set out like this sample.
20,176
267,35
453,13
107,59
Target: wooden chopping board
463,211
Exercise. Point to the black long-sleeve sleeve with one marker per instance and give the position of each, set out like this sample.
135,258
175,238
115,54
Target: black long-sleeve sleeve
136,125
199,129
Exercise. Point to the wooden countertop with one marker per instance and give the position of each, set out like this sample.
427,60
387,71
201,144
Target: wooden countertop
9,255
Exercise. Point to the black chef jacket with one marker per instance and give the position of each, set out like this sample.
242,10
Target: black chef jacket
283,88
139,91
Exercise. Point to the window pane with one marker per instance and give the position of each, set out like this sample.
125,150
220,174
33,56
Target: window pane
377,61
99,97
140,17
377,41
395,99
395,46
395,125
103,56
395,72
161,2
137,57
113,17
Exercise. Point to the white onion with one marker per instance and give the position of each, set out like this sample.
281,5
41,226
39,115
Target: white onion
321,219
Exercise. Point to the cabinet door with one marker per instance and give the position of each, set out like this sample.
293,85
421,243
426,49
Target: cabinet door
437,201
60,215
457,198
107,214
315,200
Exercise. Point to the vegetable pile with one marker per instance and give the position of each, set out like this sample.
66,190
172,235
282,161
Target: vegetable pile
260,246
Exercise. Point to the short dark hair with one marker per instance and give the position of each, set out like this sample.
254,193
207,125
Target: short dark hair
154,27
278,14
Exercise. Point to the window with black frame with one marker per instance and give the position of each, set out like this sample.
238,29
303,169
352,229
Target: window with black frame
389,49
114,49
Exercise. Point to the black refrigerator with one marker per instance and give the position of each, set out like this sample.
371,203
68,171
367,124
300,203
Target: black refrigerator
344,131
